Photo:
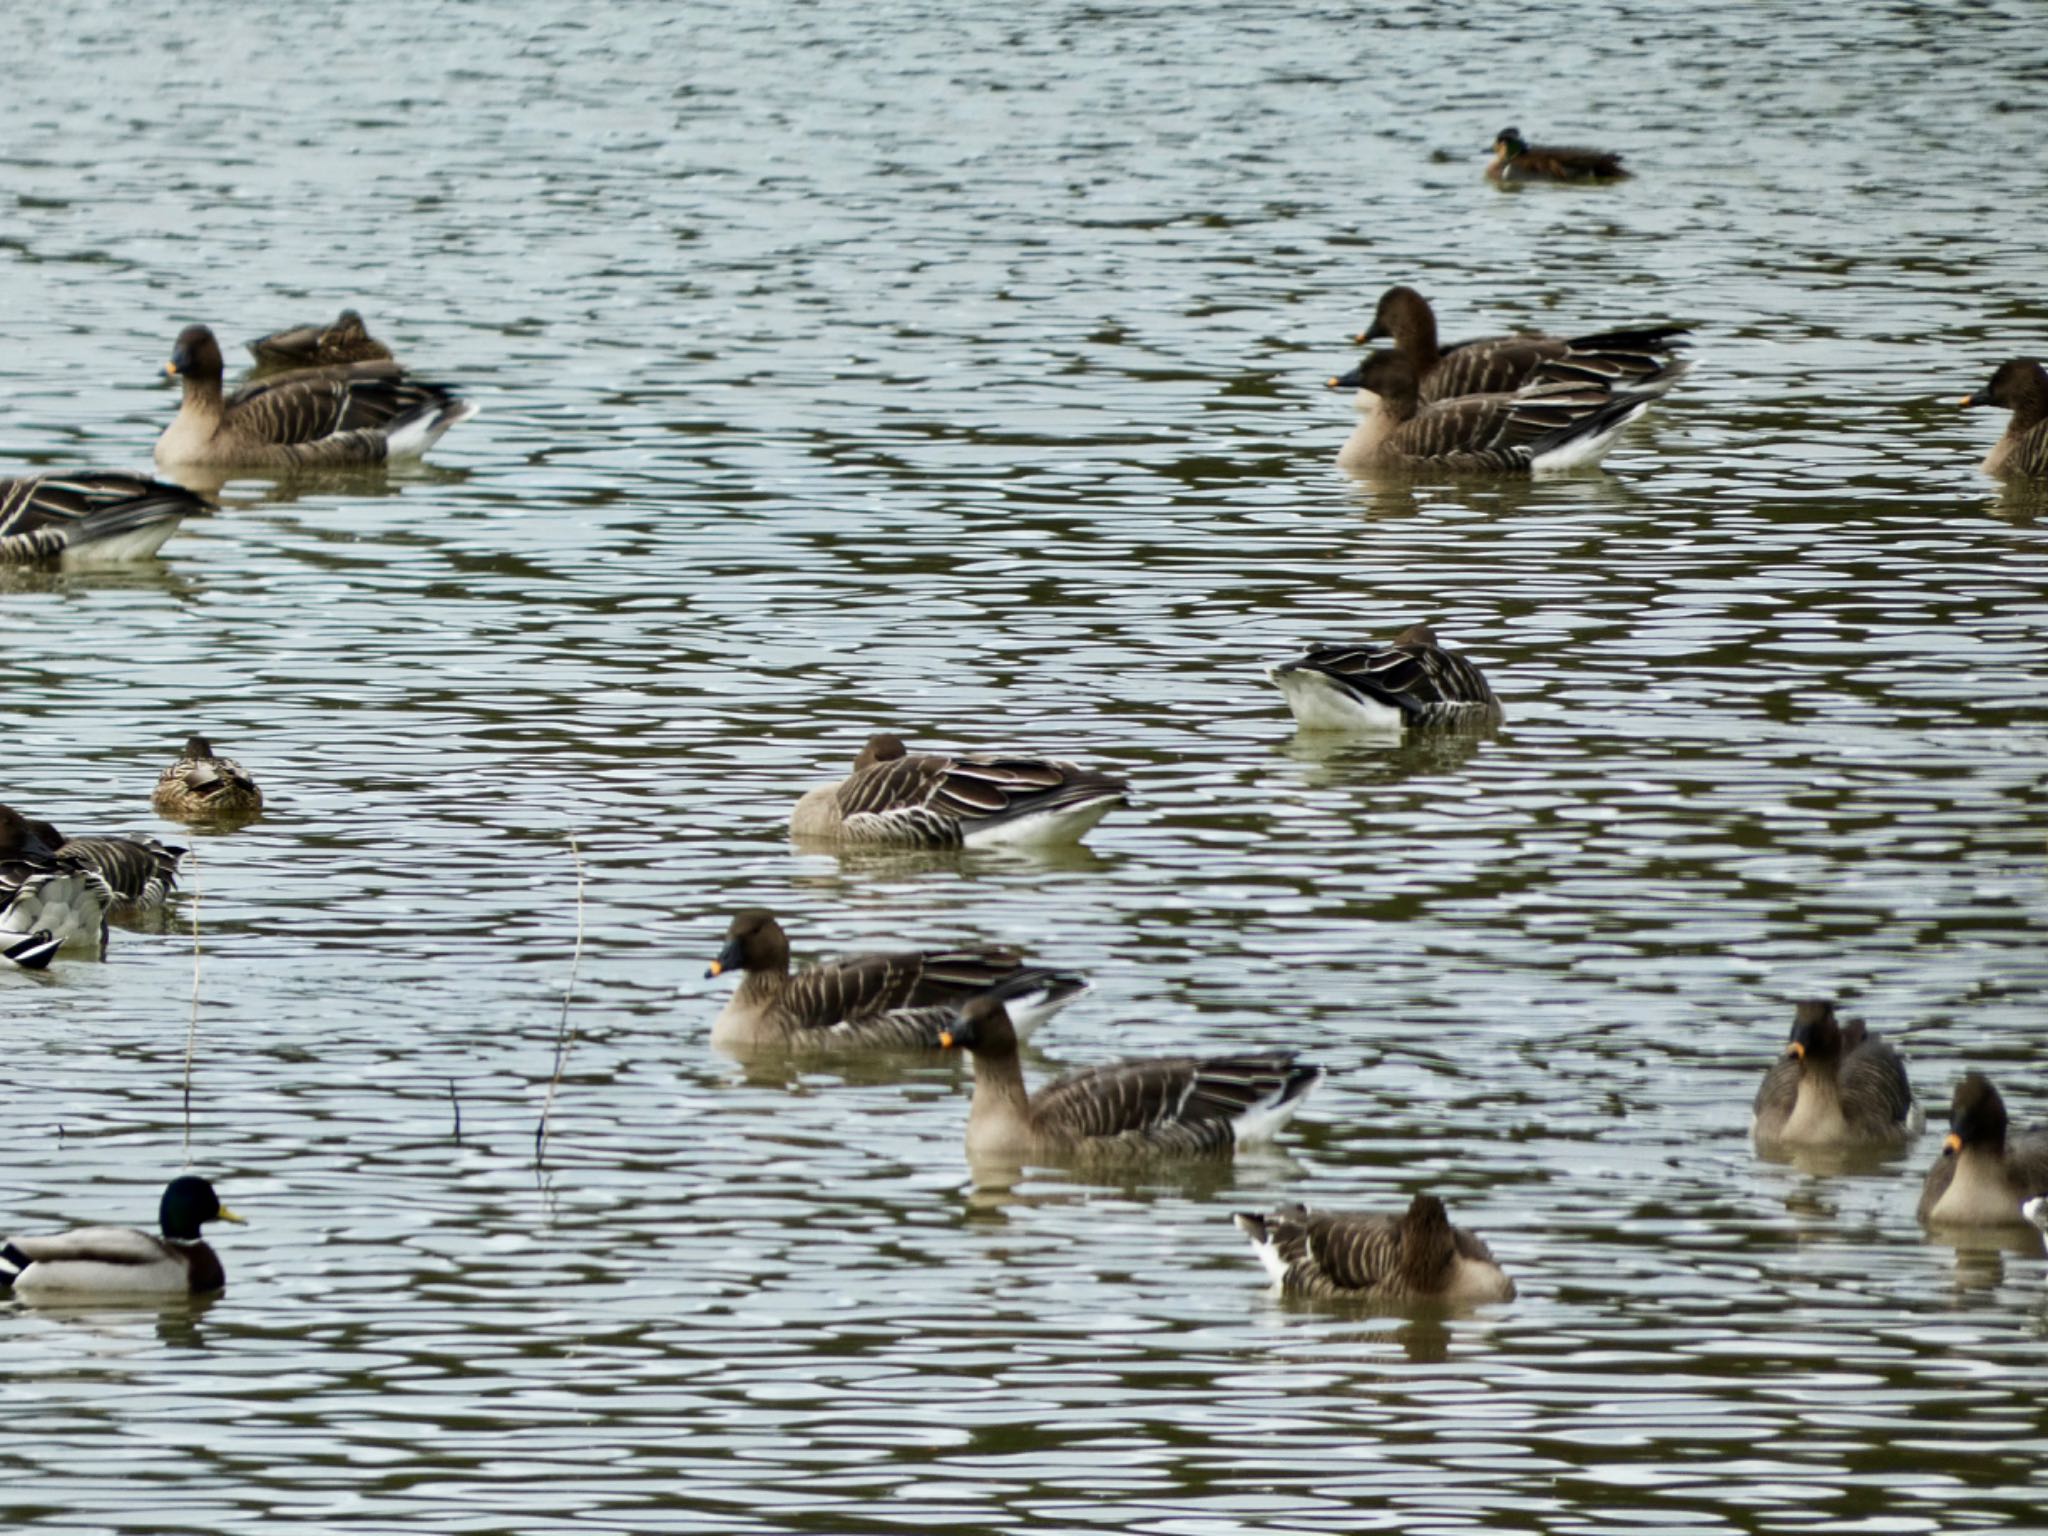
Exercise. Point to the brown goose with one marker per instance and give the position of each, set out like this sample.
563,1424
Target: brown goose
200,786
140,871
2019,386
1415,1256
298,421
894,798
1515,159
897,1001
1410,682
1835,1086
1171,1105
93,517
1983,1176
346,340
1640,359
45,892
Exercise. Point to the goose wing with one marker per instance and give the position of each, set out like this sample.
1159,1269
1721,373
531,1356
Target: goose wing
43,515
933,799
303,408
1179,1103
137,869
1419,680
1489,365
1875,1092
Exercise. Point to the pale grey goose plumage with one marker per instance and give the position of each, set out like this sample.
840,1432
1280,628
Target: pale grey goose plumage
1411,681
1835,1086
2019,386
90,517
1413,1256
1985,1173
204,786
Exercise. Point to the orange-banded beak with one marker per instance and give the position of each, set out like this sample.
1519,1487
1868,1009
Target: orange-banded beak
170,370
228,1215
945,1039
1796,1049
1951,1142
1361,339
714,969
1976,399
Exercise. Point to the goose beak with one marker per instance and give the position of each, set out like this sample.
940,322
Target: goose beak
1976,399
946,1038
714,969
1375,332
1355,379
1796,1049
1951,1142
228,1215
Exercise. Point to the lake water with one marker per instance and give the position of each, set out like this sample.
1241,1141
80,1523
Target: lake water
959,371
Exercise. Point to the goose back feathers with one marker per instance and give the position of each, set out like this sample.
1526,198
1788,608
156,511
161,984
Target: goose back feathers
44,891
1984,1174
139,871
201,786
1415,1256
1835,1086
94,517
2019,386
345,340
115,1262
1412,681
1515,159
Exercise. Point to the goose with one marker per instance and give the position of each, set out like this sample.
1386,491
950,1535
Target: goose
298,421
1835,1086
29,951
89,518
344,341
1515,159
1416,1255
2019,386
1983,1176
115,1262
1174,1105
2036,1211
895,798
896,1001
200,786
1411,681
140,871
1640,359
42,892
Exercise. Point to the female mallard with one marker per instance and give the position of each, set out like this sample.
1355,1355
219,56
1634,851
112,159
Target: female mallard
1835,1086
1417,1256
346,340
1411,682
1515,159
140,871
2020,386
94,517
202,787
897,1001
119,1262
43,892
1983,1177
300,420
941,800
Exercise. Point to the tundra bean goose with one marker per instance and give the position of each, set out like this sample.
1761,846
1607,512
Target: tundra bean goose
93,517
2019,386
1412,681
42,891
140,871
1414,1256
1984,1174
1834,1087
344,340
1515,159
201,786
112,1263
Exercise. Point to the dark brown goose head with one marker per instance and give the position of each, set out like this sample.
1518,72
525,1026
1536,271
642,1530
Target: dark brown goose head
19,835
1976,1118
195,357
753,942
1426,1241
881,748
52,838
1417,634
1816,1037
2020,386
1404,318
983,1027
1390,376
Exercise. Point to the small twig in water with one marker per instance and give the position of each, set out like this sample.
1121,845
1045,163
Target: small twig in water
192,1027
564,1035
457,1104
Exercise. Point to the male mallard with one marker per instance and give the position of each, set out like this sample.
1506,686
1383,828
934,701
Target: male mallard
1983,1177
1417,1256
92,517
2020,386
43,892
1834,1086
1411,681
1515,159
346,340
202,787
120,1262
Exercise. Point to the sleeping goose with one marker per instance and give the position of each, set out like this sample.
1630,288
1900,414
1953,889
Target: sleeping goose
42,892
1173,1105
1983,1176
1834,1086
93,517
203,787
896,1001
28,951
1410,682
2019,386
894,798
344,341
116,1262
140,871
298,421
1415,1256
1515,159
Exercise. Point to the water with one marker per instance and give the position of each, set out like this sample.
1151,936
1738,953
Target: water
958,372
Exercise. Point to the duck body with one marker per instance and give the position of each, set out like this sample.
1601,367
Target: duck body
140,872
2020,386
343,341
1985,1176
1412,1256
45,893
90,518
1835,1086
203,786
117,1263
1516,160
1411,683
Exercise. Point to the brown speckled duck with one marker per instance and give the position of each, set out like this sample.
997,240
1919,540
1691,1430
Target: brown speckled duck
2019,386
345,340
203,786
1415,1256
1515,159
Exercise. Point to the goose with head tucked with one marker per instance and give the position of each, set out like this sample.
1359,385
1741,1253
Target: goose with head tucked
140,871
1515,159
121,1263
1411,682
1414,1256
343,341
204,786
2019,386
1835,1085
91,517
47,893
1985,1174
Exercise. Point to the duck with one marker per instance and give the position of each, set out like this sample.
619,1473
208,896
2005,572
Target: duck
898,799
344,341
893,1001
1184,1106
120,1262
140,871
1983,1176
43,893
2019,386
1835,1085
1641,359
298,421
203,786
1410,1256
1410,682
1515,160
90,517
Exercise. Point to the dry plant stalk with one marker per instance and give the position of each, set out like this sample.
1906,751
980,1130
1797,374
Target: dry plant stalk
565,1037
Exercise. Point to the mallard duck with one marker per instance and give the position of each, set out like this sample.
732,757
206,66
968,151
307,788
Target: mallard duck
1835,1086
1416,1256
140,871
1983,1176
894,798
45,893
2019,386
344,341
116,1262
1640,359
203,787
1514,159
92,517
1411,681
298,421
1174,1105
897,1001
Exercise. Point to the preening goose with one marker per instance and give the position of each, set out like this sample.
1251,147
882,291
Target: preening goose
900,799
1515,159
1415,1256
345,340
1173,1105
113,1263
201,786
43,892
1411,681
300,420
140,871
896,1001
1835,1086
93,517
2019,386
1984,1175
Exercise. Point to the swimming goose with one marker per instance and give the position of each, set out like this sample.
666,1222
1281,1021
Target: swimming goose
944,800
1640,359
140,871
1834,1086
1415,1256
2019,386
1181,1105
1411,681
93,517
346,340
202,787
29,951
42,892
1983,1177
300,420
115,1262
897,1001
1515,159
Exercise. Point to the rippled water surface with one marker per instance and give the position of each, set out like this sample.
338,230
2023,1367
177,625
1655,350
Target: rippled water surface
959,371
